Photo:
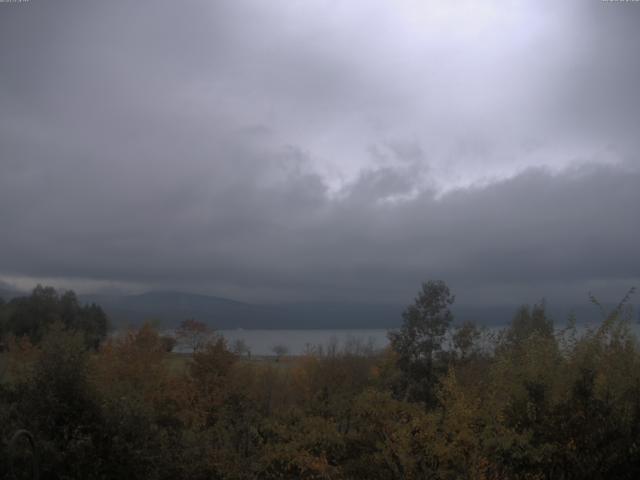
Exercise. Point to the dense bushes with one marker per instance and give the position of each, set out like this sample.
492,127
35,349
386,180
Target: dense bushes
529,403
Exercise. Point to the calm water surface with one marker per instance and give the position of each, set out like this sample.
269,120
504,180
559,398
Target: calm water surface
261,342
297,342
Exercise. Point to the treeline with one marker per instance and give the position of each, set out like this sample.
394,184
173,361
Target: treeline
32,316
442,402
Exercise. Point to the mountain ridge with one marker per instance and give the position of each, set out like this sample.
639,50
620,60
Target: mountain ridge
169,307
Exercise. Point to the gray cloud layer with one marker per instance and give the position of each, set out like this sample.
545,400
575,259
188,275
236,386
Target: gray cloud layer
314,150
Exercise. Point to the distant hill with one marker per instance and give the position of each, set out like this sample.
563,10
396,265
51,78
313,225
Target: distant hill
170,308
7,294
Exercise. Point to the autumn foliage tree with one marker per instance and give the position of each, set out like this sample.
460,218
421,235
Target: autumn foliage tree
193,334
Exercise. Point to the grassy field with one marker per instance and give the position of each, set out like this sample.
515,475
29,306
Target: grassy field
177,362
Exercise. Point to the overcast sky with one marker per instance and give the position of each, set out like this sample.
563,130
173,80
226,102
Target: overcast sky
322,150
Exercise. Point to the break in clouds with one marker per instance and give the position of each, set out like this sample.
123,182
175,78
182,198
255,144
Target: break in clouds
322,150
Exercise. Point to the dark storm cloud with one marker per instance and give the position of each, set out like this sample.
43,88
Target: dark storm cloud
286,151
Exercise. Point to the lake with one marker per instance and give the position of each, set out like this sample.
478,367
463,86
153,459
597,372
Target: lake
298,341
261,342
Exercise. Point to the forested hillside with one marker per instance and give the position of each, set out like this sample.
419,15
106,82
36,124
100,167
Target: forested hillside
446,400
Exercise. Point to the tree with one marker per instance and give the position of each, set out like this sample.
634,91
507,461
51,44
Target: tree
168,343
58,404
209,370
527,322
418,343
465,340
193,334
3,320
33,316
280,351
241,348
